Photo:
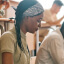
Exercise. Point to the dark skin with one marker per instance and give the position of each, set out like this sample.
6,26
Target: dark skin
7,57
31,24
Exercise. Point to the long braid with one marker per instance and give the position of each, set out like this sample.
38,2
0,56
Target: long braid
17,27
19,37
21,8
19,18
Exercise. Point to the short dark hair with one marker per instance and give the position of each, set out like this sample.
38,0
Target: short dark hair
58,2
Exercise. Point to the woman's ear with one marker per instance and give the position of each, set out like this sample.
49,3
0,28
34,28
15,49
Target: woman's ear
25,20
28,19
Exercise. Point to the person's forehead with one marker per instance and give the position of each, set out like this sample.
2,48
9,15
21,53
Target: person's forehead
58,6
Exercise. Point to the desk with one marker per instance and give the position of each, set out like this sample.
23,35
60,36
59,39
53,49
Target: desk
4,24
44,25
6,20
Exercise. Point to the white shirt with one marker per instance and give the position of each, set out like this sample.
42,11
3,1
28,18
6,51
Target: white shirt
51,50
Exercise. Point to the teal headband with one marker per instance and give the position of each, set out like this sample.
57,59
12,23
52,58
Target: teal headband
33,10
28,8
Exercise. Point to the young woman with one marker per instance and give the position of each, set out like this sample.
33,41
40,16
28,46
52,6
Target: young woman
13,42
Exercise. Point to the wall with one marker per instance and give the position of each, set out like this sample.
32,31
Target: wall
31,41
10,12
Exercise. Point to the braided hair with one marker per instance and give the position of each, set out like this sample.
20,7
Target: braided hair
21,8
19,17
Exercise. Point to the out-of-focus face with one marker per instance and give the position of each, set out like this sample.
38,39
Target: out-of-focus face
33,23
6,4
57,8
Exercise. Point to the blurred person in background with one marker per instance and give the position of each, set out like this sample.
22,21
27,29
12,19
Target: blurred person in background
49,16
51,50
4,4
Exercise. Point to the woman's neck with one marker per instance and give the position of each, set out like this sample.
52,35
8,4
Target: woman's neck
23,29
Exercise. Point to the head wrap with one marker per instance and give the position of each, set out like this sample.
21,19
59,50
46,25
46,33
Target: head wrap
33,10
6,0
28,8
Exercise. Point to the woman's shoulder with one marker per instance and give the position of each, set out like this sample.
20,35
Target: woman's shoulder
8,35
